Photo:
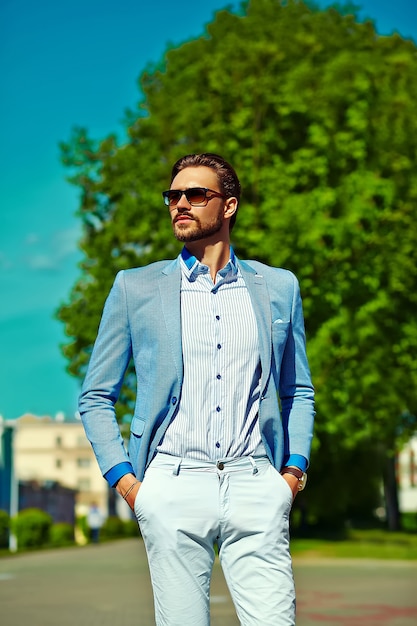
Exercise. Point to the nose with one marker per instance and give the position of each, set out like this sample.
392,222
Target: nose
183,204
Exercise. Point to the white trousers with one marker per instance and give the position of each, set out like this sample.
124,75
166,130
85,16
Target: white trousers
184,507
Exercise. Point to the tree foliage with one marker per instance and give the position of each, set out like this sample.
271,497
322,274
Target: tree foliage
319,116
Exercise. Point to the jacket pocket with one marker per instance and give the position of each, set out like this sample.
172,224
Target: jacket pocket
137,426
280,331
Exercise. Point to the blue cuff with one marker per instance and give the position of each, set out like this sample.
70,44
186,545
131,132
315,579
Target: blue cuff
115,473
297,460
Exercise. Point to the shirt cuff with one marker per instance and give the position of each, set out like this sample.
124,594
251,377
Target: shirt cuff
297,460
117,471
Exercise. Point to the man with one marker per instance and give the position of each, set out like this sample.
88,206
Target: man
95,521
221,433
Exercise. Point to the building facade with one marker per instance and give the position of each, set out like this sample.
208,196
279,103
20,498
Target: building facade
407,476
56,450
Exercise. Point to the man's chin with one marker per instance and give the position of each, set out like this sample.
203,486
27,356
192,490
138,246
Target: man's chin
185,234
188,235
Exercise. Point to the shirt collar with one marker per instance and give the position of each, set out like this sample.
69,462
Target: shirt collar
192,267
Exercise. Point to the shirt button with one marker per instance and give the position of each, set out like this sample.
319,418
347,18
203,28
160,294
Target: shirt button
218,376
220,465
217,317
174,400
218,409
219,346
217,445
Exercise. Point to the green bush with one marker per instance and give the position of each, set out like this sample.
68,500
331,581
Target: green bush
31,527
131,528
4,529
61,534
409,522
112,528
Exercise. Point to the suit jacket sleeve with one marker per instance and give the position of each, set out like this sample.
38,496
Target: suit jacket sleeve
110,357
296,391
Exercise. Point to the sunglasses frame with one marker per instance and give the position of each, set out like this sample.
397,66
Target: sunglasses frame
189,192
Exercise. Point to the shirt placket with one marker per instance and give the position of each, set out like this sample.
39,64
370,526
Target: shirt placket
219,346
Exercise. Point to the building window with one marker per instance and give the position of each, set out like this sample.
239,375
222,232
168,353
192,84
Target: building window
58,441
58,463
84,484
83,462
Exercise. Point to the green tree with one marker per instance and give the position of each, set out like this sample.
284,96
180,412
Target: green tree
319,115
4,529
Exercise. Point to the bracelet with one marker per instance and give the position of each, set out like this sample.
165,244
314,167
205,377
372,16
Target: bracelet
130,489
294,471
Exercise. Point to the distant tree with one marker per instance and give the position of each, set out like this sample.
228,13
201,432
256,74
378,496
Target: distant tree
319,115
4,529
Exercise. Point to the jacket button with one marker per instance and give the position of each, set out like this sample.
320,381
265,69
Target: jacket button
174,400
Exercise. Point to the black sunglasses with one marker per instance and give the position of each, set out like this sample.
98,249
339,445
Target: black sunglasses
196,196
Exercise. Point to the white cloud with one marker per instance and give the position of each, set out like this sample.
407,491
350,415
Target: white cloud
42,262
32,239
66,241
48,253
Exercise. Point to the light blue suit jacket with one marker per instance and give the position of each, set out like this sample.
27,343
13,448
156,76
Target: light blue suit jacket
142,319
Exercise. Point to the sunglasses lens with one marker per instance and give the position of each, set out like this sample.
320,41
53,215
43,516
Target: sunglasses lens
197,195
172,197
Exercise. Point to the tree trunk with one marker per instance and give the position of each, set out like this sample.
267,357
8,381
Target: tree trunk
391,493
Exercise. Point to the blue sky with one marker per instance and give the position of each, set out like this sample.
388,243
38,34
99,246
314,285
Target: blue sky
73,63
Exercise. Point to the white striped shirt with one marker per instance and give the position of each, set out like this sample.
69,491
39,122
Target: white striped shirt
217,416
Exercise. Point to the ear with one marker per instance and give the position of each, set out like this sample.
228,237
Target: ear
230,207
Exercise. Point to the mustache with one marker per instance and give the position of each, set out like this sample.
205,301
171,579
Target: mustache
182,215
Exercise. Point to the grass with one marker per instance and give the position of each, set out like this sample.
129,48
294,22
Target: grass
365,544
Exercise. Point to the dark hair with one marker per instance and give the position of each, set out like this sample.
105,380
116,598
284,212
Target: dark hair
226,175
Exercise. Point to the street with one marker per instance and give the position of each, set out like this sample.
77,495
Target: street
108,585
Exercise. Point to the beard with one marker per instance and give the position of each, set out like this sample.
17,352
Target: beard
195,231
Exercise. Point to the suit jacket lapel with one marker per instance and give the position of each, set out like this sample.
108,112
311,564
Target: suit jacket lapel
169,285
261,303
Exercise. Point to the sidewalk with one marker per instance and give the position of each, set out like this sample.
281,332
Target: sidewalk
108,585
